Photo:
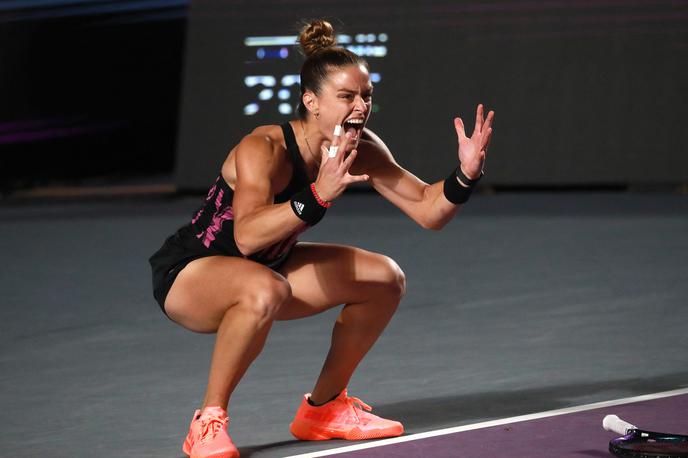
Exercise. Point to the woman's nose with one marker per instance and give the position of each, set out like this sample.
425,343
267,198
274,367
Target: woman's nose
360,104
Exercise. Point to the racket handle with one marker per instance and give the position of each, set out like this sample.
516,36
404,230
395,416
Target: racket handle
617,425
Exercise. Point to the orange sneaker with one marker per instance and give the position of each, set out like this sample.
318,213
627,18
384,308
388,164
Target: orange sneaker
344,417
208,437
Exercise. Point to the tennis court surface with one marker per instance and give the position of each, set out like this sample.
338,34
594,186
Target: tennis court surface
570,432
525,303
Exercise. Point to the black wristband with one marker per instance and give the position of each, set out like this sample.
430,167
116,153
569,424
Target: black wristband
306,206
454,192
465,180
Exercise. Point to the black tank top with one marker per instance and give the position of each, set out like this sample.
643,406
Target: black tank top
213,223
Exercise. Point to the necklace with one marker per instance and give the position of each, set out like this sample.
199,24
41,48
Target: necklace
303,131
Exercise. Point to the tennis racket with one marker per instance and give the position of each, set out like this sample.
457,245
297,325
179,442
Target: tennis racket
638,443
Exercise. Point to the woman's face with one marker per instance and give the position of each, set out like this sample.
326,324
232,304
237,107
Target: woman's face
345,98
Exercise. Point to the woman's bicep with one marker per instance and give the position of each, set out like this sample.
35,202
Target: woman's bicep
255,164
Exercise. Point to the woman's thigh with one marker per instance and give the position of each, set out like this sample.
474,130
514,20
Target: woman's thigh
324,275
207,287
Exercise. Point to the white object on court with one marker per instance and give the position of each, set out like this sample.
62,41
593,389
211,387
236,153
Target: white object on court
617,425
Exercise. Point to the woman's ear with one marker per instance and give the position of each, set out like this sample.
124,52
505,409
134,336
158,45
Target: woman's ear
310,101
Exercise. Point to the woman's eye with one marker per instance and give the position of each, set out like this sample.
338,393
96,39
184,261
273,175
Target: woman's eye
351,97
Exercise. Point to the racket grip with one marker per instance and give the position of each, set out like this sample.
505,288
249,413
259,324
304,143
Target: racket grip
617,425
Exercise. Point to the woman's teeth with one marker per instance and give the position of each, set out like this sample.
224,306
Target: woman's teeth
353,125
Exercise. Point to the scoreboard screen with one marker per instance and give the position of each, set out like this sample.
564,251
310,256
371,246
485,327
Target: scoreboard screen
272,85
575,85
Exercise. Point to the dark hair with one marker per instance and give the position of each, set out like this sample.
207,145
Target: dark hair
322,54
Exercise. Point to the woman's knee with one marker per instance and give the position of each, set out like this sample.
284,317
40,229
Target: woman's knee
264,297
393,278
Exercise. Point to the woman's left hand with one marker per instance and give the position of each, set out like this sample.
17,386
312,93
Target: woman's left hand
472,150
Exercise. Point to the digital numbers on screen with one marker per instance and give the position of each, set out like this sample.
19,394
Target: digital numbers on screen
273,62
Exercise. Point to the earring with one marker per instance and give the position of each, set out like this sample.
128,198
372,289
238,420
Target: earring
317,115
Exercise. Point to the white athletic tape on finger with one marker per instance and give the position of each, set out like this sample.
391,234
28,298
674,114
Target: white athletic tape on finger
616,425
332,152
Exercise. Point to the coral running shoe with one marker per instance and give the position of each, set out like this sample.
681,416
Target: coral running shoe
344,417
208,437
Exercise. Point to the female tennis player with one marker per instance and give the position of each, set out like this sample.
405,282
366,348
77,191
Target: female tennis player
237,266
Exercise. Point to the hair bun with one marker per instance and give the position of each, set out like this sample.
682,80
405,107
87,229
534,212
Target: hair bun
316,36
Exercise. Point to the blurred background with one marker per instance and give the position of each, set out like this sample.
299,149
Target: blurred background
148,96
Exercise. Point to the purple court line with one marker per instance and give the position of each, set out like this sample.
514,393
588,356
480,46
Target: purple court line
571,432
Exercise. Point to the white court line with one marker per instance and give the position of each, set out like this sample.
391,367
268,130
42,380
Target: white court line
488,424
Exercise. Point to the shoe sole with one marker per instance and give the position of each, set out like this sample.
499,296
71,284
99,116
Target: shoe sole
186,448
218,455
306,432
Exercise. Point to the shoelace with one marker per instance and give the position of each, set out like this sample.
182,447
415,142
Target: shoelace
356,404
210,426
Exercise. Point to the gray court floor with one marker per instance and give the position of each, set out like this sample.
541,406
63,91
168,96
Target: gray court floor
524,303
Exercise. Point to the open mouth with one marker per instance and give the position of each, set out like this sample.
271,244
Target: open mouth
354,127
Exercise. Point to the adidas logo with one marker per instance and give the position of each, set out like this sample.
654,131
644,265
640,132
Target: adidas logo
299,207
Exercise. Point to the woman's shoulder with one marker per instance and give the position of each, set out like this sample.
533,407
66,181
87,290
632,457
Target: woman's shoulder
373,151
267,136
271,132
262,149
264,142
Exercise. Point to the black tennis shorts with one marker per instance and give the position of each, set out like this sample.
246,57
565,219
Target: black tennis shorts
180,249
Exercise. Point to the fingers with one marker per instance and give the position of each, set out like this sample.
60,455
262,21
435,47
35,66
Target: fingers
488,122
479,118
343,144
486,139
336,139
346,165
339,151
338,146
460,130
356,178
482,124
487,130
324,154
349,160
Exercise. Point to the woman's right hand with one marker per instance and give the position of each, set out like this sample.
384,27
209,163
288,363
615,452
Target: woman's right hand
333,176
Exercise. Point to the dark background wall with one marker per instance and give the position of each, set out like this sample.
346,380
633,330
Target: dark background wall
88,89
586,92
